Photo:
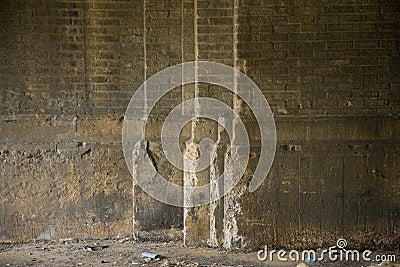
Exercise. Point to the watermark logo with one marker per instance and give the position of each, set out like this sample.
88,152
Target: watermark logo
334,253
153,89
341,243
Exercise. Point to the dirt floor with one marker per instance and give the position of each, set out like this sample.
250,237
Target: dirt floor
126,252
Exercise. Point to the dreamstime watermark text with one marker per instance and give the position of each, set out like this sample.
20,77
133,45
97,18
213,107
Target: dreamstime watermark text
334,253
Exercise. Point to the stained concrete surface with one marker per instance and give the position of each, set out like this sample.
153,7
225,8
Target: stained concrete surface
127,252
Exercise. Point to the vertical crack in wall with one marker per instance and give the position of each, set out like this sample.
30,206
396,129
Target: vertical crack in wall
214,191
182,50
190,179
142,168
144,63
214,194
141,146
85,52
196,75
232,207
231,200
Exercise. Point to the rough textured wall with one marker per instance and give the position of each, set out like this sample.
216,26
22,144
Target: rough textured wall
329,69
67,72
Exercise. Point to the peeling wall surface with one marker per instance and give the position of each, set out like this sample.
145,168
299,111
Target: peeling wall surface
330,71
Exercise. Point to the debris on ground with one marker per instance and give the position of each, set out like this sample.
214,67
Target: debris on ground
123,240
307,260
171,263
94,248
64,240
385,264
150,255
114,252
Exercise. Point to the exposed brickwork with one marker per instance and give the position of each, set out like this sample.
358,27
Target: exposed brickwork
68,72
329,69
323,58
330,72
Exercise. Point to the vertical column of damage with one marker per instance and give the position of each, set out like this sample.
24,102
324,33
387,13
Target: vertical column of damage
232,208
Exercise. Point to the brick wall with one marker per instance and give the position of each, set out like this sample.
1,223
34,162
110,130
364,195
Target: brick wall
67,73
329,70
